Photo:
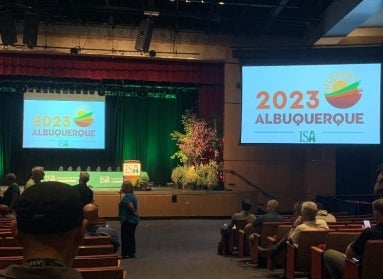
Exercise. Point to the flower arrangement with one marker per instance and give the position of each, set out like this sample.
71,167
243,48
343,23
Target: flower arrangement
199,154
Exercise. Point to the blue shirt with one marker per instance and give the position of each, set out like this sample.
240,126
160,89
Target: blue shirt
123,211
94,230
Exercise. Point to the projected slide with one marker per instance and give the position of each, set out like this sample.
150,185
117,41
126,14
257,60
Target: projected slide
334,104
63,121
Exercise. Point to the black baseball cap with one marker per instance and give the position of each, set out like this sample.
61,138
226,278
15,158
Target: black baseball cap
49,207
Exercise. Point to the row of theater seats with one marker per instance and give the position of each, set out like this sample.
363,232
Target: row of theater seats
96,258
306,258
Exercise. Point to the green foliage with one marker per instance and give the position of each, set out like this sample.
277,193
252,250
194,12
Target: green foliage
183,175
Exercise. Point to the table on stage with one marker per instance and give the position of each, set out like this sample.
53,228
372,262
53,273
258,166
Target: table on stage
98,180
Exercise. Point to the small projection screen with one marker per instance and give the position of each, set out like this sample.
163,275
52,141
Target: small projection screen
54,120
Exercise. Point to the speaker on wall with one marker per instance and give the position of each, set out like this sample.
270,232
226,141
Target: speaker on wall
7,28
31,27
144,36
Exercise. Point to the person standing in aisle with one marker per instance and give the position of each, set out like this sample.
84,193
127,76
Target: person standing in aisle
127,212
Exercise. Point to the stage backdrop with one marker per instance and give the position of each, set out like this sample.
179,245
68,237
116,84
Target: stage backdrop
136,128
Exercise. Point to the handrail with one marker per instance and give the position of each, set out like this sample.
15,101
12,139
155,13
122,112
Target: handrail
233,172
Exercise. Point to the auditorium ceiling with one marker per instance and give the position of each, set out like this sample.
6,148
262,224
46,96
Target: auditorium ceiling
326,22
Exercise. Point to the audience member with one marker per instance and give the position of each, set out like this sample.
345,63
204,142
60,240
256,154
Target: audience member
50,227
324,214
127,211
12,194
378,187
93,229
86,194
225,230
243,214
4,213
334,260
37,175
271,215
306,222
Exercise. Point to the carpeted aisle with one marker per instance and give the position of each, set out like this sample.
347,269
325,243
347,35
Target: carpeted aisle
184,249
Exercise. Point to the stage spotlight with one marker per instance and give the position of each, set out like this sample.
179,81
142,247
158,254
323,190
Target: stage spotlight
7,28
144,36
31,26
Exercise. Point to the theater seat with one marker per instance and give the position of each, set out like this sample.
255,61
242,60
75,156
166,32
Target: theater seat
298,256
335,240
115,272
371,264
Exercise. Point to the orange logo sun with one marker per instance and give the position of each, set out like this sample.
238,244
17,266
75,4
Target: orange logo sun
341,89
84,117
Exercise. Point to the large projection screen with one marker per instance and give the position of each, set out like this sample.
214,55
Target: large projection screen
64,121
311,104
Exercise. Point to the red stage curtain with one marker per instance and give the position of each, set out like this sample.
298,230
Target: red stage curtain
107,67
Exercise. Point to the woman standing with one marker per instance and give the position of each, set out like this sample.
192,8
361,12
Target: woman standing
127,211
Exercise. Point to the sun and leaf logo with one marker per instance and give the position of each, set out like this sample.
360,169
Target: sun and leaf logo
83,116
342,89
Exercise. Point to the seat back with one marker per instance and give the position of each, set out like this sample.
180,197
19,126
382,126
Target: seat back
303,250
11,251
269,229
115,272
7,261
372,260
97,240
335,240
86,250
10,241
96,261
234,237
306,240
340,240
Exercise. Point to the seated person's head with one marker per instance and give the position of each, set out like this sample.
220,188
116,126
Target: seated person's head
309,210
246,205
49,222
84,177
38,173
272,205
91,213
10,178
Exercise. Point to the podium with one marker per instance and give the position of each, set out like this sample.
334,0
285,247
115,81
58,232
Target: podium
131,170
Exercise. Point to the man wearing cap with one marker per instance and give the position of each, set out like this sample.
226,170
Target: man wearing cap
50,227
